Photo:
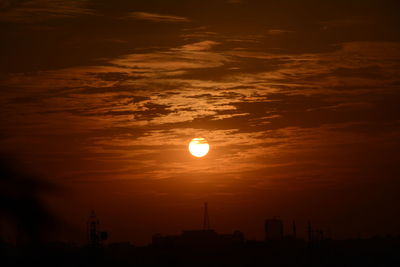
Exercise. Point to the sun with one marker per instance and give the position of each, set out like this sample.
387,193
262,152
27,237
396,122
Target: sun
199,147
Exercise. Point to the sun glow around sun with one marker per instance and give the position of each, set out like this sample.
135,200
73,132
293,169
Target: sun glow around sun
199,147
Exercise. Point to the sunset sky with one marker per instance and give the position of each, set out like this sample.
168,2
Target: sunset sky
299,101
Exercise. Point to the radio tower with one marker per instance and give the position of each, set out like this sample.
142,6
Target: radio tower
206,222
92,225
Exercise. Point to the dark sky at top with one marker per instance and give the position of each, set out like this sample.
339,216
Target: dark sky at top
299,101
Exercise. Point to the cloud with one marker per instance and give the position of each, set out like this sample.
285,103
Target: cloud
40,10
153,17
174,61
200,46
278,31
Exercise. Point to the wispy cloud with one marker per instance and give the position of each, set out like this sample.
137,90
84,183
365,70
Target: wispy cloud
154,17
278,31
174,61
40,10
200,46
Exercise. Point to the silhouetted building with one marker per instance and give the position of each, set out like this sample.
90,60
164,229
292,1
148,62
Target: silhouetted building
198,239
273,229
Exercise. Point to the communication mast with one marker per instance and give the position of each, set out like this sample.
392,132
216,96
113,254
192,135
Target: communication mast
310,232
94,235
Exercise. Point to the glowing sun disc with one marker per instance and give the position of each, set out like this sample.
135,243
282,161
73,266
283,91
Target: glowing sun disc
199,147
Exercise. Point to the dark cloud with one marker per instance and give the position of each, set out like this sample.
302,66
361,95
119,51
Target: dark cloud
153,17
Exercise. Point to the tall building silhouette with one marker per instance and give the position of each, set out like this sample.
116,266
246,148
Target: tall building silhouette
273,229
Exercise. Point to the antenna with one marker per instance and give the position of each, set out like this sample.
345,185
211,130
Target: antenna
206,222
92,224
310,232
95,237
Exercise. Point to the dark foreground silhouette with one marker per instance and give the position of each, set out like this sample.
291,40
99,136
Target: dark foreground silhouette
360,252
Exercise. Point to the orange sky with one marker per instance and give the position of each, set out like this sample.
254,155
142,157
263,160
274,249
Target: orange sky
299,102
